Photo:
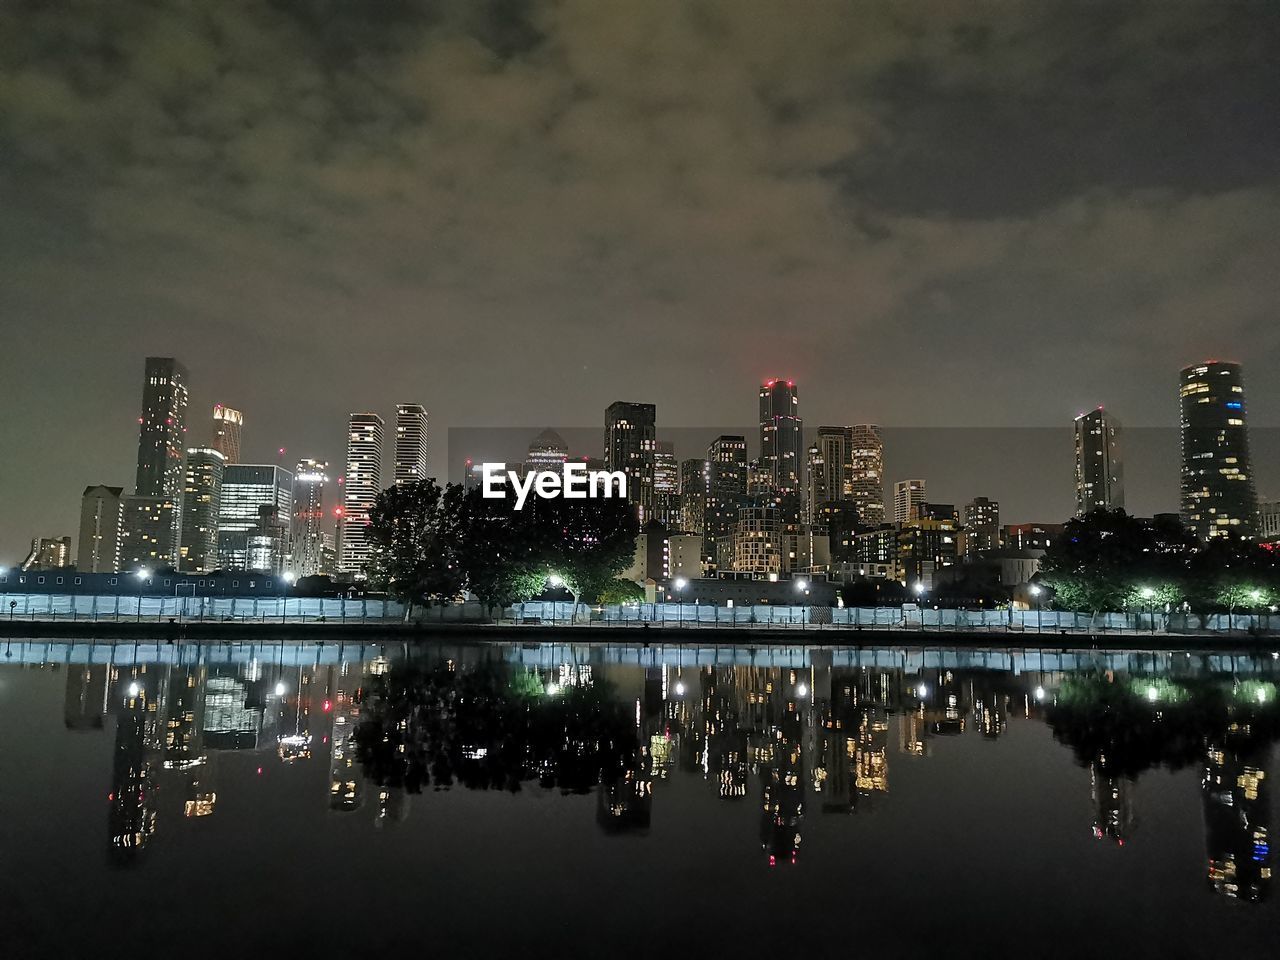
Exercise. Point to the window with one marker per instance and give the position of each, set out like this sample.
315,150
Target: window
39,579
266,583
111,582
167,582
78,581
235,583
59,580
253,584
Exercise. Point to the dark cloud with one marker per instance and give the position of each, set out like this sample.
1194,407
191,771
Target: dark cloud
518,211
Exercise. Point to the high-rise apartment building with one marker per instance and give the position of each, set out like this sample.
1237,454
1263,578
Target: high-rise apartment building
666,485
361,486
310,478
101,528
982,525
201,505
411,443
1218,497
695,478
629,445
908,497
227,424
781,429
1269,520
866,473
726,486
162,442
48,553
1099,468
246,489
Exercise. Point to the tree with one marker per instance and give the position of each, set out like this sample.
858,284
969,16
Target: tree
499,550
1101,560
621,591
586,542
414,532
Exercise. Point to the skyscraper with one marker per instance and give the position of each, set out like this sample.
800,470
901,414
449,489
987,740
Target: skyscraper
547,451
781,442
666,485
982,521
695,476
310,479
866,473
227,424
1099,469
629,444
830,473
411,443
201,503
726,486
1218,497
153,515
101,519
246,488
161,439
908,497
361,487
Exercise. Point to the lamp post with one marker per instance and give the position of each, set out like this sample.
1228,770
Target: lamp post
918,589
1035,592
1148,594
680,583
290,579
802,587
555,580
142,575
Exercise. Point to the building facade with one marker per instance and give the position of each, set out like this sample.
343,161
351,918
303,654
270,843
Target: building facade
866,473
695,479
666,485
361,487
101,528
201,505
411,443
908,497
246,489
1218,497
781,435
982,525
48,553
227,425
1099,468
310,481
629,444
162,444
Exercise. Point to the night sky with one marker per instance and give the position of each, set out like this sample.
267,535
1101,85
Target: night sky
927,214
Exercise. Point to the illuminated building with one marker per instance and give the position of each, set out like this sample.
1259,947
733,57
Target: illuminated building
182,728
866,473
310,479
695,481
1030,536
666,485
151,533
629,446
201,500
781,441
1112,806
830,469
783,800
908,496
547,451
982,524
227,425
726,485
411,443
757,538
1218,498
267,544
132,813
232,716
101,529
924,547
1099,468
161,444
1236,823
361,487
1269,520
48,553
246,489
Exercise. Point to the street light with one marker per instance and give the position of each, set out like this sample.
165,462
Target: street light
1035,592
680,583
802,586
142,575
1148,594
555,580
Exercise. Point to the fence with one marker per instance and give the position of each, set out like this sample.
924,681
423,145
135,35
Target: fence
37,606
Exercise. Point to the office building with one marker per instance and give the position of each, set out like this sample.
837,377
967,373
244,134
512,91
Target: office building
201,503
361,487
908,496
411,443
781,429
160,476
547,451
666,485
310,480
1099,469
101,529
695,479
629,445
246,488
1269,520
227,424
1218,498
982,525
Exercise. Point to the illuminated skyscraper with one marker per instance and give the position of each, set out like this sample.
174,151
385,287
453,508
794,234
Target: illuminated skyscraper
908,497
866,473
246,488
101,520
547,451
361,487
153,520
310,479
982,521
666,485
411,443
726,484
227,424
629,445
695,476
1099,469
781,443
1218,497
201,503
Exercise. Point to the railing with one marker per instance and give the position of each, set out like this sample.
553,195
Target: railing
123,608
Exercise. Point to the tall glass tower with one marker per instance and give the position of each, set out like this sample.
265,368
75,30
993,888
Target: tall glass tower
781,442
1218,497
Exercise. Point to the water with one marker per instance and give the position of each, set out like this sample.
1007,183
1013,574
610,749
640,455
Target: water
564,800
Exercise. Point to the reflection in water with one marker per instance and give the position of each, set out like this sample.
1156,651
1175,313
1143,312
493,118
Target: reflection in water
804,738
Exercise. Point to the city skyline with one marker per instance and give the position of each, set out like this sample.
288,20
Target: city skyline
922,216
